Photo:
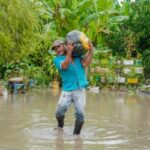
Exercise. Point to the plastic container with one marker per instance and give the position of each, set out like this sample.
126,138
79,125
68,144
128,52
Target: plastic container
128,62
133,80
139,70
138,62
121,80
126,70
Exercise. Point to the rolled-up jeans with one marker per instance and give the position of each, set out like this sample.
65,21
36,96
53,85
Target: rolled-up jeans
77,97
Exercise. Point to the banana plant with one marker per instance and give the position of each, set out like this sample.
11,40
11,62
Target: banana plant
67,14
90,16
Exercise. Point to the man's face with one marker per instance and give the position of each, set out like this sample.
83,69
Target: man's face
59,49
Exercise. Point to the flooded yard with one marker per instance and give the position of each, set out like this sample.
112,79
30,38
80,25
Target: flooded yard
113,121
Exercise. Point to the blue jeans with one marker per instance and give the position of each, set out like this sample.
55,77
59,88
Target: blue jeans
77,97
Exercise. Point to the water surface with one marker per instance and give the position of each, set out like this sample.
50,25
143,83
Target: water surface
113,121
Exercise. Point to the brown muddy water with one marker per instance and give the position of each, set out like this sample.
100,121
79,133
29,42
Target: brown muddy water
113,121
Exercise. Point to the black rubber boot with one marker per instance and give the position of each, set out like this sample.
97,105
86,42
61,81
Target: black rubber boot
78,127
60,121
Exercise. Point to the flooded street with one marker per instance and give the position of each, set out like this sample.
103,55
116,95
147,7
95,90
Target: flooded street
113,121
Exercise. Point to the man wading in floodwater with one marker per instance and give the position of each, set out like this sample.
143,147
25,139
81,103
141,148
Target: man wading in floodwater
74,82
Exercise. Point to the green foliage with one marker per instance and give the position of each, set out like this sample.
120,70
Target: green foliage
146,63
141,23
90,16
131,36
50,68
25,38
18,25
123,40
38,75
2,70
28,28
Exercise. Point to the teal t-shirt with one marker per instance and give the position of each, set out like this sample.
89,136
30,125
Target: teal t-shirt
73,78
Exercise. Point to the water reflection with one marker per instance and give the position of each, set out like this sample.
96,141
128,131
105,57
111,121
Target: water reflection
59,142
78,144
113,121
